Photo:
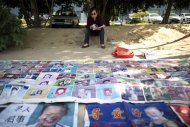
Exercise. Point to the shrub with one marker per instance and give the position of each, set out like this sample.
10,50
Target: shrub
139,14
23,21
11,33
137,17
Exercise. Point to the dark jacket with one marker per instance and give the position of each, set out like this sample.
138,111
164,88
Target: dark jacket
99,22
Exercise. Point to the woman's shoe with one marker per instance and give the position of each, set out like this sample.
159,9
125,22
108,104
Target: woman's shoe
85,46
103,46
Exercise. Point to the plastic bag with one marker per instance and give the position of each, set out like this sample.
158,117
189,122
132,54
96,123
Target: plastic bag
121,52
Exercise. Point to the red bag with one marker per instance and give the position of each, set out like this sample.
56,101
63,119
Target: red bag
123,53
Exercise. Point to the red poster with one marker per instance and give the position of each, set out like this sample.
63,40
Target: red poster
183,111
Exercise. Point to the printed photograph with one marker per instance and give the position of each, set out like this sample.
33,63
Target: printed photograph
171,69
84,92
1,89
168,82
29,76
159,93
187,91
60,91
63,75
85,76
108,80
177,93
133,93
54,67
183,111
47,76
153,70
65,82
119,68
10,76
108,91
70,68
85,68
153,115
102,62
15,92
147,93
40,115
149,82
34,92
102,69
82,82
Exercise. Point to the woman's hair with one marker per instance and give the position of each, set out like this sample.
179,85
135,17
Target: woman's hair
62,105
91,10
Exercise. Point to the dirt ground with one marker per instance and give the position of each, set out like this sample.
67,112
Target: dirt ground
165,41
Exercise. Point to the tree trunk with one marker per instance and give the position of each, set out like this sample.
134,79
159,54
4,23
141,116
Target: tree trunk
107,19
23,10
48,6
104,7
168,11
106,13
98,5
51,11
34,8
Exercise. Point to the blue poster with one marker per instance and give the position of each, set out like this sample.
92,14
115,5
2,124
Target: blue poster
107,115
152,115
131,115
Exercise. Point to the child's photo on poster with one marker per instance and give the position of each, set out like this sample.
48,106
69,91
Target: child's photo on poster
108,80
153,115
133,93
60,91
84,92
82,82
160,93
109,91
64,82
177,93
63,75
149,82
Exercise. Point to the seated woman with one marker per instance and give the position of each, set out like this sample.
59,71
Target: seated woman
95,27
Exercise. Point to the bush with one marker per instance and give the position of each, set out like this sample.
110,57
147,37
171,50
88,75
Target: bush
11,33
23,21
138,16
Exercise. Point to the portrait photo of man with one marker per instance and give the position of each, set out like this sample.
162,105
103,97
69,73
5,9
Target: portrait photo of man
51,114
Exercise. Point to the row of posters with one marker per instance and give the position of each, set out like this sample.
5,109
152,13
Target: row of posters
95,81
119,114
100,93
137,115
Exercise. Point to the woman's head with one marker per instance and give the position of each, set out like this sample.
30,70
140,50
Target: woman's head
93,13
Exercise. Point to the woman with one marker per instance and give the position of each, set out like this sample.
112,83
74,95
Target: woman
95,27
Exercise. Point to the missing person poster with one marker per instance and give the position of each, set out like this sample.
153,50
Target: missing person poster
131,115
39,115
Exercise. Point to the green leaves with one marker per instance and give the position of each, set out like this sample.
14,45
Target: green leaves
11,32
